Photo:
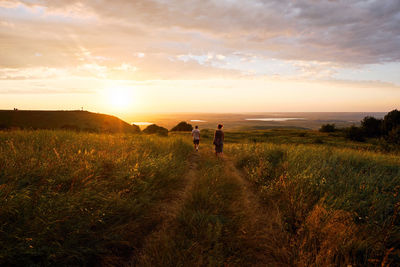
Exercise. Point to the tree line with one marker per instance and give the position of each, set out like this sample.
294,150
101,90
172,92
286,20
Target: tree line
387,128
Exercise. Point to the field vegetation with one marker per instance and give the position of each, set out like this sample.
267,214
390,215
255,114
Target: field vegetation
338,206
280,197
386,129
71,198
292,136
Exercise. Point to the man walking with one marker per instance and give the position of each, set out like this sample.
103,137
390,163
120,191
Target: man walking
196,137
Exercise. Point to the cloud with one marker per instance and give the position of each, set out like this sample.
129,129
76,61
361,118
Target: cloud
30,73
314,36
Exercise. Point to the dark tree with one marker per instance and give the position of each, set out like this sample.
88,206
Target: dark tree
355,133
155,129
391,121
371,126
394,136
327,128
182,127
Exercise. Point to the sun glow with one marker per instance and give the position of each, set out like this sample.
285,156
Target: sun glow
120,98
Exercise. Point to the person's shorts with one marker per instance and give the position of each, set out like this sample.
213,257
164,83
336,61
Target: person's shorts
196,142
218,148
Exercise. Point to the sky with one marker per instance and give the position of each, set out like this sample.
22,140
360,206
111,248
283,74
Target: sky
123,57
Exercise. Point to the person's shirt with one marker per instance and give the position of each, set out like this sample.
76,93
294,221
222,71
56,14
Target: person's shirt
219,137
196,134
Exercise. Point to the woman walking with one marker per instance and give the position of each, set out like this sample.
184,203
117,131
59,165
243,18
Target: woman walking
219,140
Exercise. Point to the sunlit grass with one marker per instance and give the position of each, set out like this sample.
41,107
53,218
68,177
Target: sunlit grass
82,199
94,199
340,206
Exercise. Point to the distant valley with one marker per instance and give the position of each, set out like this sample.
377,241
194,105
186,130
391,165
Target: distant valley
254,121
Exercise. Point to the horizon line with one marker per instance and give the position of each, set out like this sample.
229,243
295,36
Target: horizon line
197,112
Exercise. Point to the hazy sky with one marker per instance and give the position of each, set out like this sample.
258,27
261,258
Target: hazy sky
125,56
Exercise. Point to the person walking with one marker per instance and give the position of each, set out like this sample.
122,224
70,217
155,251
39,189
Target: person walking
196,137
219,140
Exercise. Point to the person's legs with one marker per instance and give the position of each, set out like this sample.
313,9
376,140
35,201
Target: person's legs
220,151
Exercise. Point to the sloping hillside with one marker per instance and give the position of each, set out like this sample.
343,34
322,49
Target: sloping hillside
70,120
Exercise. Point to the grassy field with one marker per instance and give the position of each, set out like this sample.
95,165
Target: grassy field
291,136
278,198
82,199
338,206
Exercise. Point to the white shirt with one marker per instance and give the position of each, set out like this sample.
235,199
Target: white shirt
196,134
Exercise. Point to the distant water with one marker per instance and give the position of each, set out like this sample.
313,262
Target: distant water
274,119
142,123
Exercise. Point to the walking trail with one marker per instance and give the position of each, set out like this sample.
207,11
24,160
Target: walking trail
217,219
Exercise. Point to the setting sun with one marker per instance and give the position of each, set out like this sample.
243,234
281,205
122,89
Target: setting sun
120,98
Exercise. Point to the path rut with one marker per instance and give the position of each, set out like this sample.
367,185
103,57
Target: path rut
259,229
169,210
262,230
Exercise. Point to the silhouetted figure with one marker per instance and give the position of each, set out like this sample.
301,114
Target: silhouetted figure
196,137
219,140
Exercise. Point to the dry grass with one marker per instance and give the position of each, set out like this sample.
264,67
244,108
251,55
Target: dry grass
99,199
83,199
338,206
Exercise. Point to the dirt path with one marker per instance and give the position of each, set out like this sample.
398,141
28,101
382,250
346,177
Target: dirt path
168,211
215,220
262,227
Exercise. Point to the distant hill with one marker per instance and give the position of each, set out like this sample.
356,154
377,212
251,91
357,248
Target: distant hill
68,120
183,126
155,129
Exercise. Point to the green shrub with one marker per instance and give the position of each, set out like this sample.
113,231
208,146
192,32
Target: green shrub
394,136
391,121
371,126
354,133
327,128
318,141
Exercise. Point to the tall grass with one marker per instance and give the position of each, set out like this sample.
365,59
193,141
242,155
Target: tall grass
204,226
214,226
340,206
95,199
82,199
